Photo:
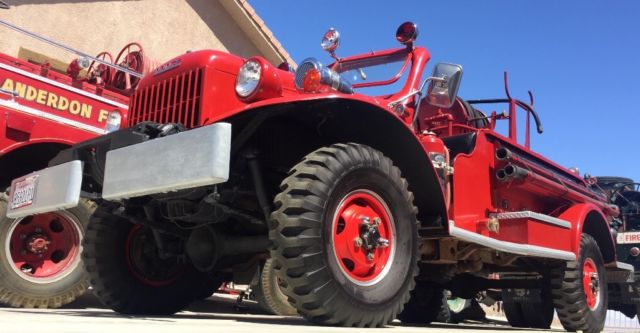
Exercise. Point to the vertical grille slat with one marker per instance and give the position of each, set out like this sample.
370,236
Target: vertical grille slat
175,100
187,101
194,99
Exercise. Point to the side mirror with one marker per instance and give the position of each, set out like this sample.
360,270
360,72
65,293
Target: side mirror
331,41
444,85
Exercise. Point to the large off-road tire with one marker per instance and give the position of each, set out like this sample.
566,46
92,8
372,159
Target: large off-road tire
40,261
529,313
328,203
579,289
268,293
428,303
127,273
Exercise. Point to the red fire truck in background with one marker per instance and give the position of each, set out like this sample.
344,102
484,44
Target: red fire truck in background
43,111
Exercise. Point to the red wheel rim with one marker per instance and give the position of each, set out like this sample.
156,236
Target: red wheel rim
363,260
591,283
46,247
143,262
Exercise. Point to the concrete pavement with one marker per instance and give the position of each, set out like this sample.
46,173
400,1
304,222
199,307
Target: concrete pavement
216,314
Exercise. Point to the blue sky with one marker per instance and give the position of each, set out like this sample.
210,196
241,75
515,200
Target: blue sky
581,59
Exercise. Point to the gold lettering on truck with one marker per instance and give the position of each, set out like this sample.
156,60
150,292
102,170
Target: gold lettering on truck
52,100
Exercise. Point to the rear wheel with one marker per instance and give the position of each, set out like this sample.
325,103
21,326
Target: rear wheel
527,312
579,289
129,276
268,293
428,303
345,237
40,261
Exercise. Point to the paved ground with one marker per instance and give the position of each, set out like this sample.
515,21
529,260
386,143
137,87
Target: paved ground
213,315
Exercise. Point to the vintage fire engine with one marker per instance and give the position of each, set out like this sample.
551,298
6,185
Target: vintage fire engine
42,113
359,198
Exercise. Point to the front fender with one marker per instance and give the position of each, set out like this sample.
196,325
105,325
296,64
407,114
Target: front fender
339,119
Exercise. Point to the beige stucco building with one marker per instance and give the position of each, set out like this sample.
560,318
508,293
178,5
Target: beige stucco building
165,28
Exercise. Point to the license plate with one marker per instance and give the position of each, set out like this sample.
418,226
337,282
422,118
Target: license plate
23,192
629,237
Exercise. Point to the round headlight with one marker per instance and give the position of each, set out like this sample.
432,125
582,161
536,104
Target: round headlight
248,78
114,119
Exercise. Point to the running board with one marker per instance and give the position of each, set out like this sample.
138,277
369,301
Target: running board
619,272
526,214
509,247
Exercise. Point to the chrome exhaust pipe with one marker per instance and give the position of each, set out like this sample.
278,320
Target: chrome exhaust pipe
514,171
501,175
503,154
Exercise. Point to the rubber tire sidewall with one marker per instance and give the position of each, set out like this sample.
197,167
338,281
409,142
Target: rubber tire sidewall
268,293
593,252
117,287
16,291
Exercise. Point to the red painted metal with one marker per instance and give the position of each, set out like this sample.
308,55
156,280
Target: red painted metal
590,283
44,246
347,230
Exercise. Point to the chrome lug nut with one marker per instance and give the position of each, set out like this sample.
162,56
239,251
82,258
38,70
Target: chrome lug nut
357,242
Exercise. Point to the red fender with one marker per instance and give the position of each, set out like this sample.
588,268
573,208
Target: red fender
587,218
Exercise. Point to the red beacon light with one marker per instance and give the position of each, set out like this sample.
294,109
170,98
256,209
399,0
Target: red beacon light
407,33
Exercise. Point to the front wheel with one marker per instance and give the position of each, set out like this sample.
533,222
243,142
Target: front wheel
128,274
345,237
579,289
40,261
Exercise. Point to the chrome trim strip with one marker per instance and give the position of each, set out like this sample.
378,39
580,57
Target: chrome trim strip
523,249
527,214
45,115
63,86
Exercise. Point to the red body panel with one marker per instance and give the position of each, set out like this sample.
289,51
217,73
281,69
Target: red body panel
50,107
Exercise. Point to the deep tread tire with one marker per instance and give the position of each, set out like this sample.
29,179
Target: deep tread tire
269,295
117,287
16,291
527,313
301,230
428,303
568,293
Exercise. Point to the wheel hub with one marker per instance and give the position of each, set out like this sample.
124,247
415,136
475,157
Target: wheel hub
591,283
370,238
44,248
37,243
363,237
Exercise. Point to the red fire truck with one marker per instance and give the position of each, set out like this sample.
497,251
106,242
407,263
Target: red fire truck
42,112
367,203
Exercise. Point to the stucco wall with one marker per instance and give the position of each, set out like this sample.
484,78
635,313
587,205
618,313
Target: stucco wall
165,28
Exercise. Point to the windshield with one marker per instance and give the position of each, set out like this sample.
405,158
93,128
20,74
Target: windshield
381,74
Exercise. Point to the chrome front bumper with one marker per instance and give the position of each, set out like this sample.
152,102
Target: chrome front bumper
188,159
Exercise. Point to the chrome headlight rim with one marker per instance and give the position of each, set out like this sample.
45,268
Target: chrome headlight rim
249,78
113,121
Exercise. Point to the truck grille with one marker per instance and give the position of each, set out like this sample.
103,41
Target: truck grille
174,100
